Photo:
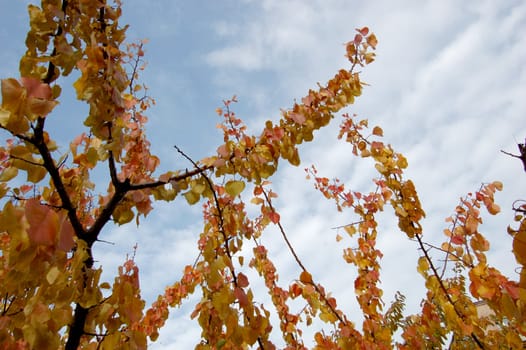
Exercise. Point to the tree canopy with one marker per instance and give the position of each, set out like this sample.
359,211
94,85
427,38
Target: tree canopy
52,295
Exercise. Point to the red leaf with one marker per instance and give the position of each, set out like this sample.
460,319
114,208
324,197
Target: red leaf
43,223
48,227
358,39
274,217
457,239
364,31
242,280
241,297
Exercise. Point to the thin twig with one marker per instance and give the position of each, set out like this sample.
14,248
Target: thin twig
299,262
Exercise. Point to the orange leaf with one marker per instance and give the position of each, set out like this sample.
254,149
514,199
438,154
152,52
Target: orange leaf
241,296
47,227
519,247
371,40
274,217
306,277
378,131
43,223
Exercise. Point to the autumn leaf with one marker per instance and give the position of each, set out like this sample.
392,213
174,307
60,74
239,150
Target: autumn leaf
306,277
378,131
363,31
12,95
371,40
519,247
52,275
274,217
242,280
234,187
191,197
43,223
36,89
47,227
241,296
297,117
423,266
31,99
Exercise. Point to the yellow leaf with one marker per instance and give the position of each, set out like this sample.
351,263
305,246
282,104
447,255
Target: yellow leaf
401,162
191,197
8,174
350,229
123,215
4,116
257,200
423,266
36,173
401,212
234,187
498,185
198,188
52,275
328,317
493,209
13,95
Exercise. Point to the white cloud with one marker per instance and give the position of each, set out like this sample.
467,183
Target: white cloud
447,86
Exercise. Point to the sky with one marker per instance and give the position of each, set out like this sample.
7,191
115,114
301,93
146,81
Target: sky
448,88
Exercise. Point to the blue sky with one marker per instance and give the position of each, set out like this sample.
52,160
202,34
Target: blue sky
448,87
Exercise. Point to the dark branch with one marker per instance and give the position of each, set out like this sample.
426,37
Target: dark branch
522,151
38,141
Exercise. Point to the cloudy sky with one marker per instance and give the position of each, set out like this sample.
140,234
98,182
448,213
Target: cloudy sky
448,87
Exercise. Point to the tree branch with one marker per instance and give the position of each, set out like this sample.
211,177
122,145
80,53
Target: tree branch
522,151
443,288
49,164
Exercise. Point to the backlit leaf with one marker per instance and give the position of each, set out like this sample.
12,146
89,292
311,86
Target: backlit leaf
52,275
423,266
43,222
191,197
234,187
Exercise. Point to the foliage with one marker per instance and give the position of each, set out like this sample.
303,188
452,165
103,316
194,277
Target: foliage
52,295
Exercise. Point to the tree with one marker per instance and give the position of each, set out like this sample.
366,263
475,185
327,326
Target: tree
51,292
